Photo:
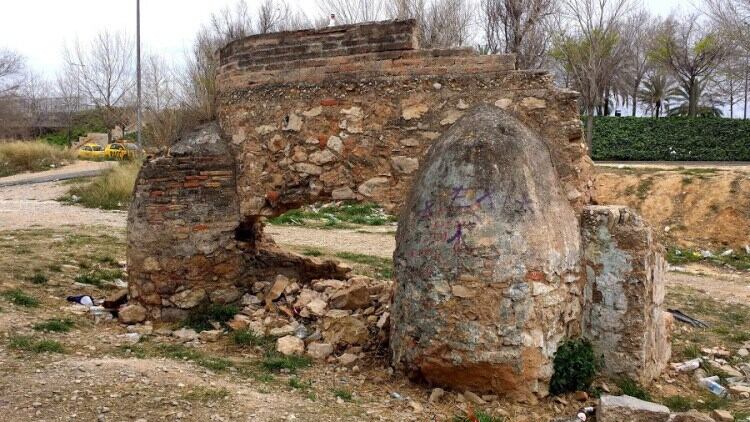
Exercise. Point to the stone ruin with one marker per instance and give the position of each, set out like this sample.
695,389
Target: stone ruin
492,270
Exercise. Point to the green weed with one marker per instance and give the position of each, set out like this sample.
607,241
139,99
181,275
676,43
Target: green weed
20,298
55,325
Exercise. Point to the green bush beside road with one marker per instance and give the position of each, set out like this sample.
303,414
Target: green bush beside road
671,139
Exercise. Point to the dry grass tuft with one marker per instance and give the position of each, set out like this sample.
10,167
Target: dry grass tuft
24,156
110,191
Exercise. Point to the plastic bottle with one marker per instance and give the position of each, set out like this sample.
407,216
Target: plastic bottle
712,384
690,365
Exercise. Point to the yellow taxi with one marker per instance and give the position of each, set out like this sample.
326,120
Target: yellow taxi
91,152
121,151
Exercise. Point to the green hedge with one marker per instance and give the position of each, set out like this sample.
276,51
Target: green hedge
671,139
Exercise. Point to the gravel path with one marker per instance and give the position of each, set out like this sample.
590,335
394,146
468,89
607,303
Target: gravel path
376,244
72,171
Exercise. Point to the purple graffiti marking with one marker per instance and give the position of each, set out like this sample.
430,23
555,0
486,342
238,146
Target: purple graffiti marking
486,197
524,204
458,193
426,212
458,236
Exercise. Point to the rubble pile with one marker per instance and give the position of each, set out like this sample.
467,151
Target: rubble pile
319,317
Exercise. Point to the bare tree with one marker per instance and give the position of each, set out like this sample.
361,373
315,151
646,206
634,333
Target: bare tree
729,80
352,11
441,23
520,27
161,103
692,53
589,50
67,90
641,27
108,75
11,71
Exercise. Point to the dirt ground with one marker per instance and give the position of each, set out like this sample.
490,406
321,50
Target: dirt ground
696,207
98,375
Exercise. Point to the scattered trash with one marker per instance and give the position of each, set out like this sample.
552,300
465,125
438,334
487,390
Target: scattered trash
712,384
396,396
682,317
707,254
689,366
728,252
84,300
585,412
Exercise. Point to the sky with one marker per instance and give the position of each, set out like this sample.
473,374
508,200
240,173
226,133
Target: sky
39,29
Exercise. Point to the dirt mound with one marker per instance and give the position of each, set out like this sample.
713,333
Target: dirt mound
692,208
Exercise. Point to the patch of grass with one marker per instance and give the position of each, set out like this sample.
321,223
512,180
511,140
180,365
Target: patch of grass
644,187
248,338
342,394
382,266
205,394
25,156
110,191
20,298
737,260
201,317
312,252
630,387
575,366
691,351
29,344
106,259
276,361
38,278
98,277
180,352
478,416
678,403
335,215
298,384
712,402
55,325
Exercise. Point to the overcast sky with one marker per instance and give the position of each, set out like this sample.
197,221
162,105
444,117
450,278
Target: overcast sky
39,29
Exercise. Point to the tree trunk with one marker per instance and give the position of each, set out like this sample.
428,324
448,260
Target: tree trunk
658,109
693,100
635,97
744,113
590,129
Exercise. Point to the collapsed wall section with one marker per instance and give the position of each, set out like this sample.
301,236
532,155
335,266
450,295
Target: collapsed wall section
623,299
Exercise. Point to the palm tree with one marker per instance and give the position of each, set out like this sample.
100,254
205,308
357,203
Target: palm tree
657,92
708,106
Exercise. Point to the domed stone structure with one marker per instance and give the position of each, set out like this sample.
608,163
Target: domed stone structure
487,263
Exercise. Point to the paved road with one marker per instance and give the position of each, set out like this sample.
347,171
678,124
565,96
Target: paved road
72,171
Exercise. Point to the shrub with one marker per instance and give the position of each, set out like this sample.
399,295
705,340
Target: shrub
478,416
575,366
19,157
671,139
110,191
98,277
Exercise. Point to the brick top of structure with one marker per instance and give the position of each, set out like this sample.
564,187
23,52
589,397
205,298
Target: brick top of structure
374,49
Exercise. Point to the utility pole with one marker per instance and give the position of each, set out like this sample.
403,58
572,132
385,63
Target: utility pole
138,67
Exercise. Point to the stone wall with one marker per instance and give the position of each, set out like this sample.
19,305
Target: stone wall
181,226
623,300
331,124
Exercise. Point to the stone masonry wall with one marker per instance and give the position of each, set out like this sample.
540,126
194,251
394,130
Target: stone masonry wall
623,299
181,227
331,124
